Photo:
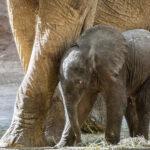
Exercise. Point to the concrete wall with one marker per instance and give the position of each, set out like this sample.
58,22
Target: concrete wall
11,72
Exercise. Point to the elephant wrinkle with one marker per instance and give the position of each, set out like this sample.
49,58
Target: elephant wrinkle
44,36
123,14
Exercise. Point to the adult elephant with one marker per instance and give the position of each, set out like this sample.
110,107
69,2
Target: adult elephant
43,30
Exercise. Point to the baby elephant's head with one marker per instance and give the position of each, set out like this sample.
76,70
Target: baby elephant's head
94,62
74,80
74,73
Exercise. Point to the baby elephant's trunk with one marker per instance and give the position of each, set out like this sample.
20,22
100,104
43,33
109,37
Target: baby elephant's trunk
73,117
72,127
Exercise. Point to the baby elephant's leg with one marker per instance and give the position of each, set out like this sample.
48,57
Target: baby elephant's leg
131,116
143,109
85,106
69,136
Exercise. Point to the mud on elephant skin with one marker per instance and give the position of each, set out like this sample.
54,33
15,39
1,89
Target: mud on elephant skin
114,64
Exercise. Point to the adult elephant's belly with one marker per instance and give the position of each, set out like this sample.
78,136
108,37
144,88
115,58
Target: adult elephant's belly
124,14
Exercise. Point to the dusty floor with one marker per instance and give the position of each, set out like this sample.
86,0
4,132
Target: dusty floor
97,142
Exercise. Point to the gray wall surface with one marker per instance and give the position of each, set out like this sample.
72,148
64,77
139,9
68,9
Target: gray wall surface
11,72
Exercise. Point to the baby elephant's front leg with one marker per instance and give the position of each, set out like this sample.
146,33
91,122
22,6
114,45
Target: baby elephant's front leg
116,104
71,134
72,109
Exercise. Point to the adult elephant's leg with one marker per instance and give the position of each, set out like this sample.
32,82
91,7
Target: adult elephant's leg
22,14
143,109
59,24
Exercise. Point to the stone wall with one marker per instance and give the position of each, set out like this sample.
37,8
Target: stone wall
11,72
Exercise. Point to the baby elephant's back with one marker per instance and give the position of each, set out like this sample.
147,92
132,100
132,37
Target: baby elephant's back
138,40
136,33
138,54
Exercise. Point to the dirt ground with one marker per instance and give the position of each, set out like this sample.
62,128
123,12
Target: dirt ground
98,142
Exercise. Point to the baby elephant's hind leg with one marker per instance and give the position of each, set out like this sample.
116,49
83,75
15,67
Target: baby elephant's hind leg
131,116
143,109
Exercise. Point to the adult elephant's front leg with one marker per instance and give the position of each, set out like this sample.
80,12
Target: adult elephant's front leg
131,117
59,24
115,104
22,16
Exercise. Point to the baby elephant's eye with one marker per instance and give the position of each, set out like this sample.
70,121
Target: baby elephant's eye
79,82
116,75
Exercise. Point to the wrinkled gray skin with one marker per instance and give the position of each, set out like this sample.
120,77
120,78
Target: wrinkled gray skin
116,65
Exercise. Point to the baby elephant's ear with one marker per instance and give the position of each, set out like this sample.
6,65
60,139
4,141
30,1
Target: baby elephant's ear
92,57
117,62
116,71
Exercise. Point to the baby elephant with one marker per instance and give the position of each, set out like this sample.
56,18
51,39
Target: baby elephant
116,65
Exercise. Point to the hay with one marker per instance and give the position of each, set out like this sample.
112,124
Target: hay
98,142
92,127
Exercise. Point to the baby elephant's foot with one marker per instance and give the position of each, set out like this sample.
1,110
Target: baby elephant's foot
69,141
79,144
112,138
78,141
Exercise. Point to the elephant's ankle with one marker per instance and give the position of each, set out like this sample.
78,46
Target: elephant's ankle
24,132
